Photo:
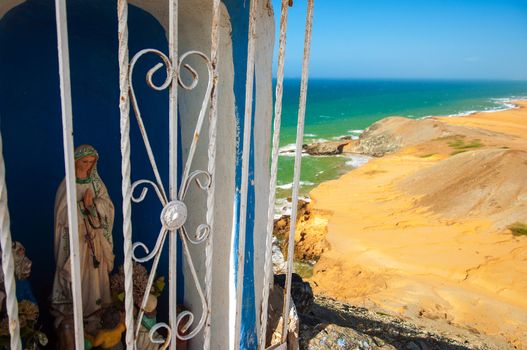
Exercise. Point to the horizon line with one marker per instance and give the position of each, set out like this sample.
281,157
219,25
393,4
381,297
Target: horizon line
521,80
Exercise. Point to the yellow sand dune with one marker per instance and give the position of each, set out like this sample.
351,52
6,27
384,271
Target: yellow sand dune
422,232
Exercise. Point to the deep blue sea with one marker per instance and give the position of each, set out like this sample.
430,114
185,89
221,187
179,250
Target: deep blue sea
338,108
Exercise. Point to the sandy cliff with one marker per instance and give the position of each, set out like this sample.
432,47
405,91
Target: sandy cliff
422,231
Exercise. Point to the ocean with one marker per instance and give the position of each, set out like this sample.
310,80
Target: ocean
337,108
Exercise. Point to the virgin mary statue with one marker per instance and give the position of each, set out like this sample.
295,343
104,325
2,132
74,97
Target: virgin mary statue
95,212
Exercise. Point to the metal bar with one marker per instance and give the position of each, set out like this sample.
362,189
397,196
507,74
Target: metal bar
8,266
69,162
173,167
282,346
211,168
126,186
268,272
247,135
298,163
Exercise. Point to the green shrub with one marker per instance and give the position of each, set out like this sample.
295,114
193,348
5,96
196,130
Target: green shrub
460,144
518,229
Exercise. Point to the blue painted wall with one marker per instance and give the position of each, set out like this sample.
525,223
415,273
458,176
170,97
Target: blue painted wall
239,13
30,119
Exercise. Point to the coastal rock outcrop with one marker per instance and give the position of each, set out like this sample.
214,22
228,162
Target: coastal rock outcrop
328,148
391,134
394,133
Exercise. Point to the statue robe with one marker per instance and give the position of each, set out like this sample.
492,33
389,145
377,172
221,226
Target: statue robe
97,229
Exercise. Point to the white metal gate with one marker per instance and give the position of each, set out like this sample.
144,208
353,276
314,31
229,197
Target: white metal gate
172,197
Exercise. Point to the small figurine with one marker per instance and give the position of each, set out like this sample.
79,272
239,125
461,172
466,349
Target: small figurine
109,337
95,212
28,311
140,280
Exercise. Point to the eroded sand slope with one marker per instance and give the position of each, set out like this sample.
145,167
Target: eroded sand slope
423,232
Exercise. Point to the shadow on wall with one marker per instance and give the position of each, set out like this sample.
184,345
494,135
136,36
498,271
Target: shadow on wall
31,120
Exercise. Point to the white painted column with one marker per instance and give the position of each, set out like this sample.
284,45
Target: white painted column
69,162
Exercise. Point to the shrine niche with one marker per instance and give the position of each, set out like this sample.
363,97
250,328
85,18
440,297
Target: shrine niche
33,148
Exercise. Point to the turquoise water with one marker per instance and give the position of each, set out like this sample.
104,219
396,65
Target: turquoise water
344,107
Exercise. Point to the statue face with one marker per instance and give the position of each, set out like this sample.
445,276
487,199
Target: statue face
83,166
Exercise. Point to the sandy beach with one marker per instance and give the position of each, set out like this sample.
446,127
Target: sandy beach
423,232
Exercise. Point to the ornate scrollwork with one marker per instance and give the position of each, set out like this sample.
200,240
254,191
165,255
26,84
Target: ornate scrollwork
174,212
144,191
155,340
195,176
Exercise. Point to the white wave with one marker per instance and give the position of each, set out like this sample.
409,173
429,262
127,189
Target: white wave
503,107
462,114
283,206
310,135
503,104
290,185
291,148
293,154
285,187
357,161
356,131
341,137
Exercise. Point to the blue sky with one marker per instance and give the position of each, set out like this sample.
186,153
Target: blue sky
439,39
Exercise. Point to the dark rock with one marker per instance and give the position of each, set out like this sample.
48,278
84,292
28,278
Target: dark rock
412,346
325,148
300,290
423,345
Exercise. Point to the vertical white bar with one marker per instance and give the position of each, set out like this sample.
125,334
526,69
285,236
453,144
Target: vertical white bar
69,162
268,272
247,135
211,168
298,161
126,186
173,171
8,266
